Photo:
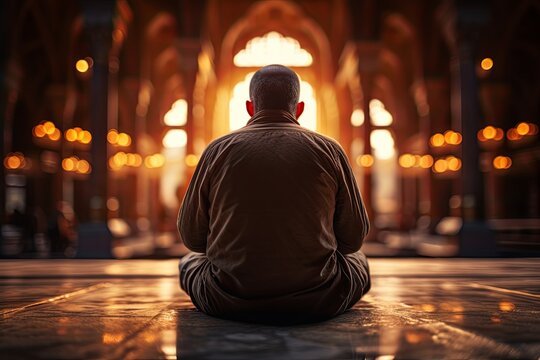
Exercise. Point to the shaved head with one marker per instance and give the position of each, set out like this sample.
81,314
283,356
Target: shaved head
275,87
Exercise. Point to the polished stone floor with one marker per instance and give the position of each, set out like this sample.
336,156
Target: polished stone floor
133,309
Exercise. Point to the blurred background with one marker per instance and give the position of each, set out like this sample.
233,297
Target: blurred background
106,106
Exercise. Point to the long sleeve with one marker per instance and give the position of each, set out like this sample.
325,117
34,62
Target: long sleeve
193,218
351,223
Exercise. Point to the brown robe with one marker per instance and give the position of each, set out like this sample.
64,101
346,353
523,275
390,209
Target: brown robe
274,210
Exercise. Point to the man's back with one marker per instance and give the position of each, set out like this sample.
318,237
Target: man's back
271,191
273,216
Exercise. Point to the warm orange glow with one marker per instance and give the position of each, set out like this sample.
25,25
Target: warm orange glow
523,128
272,48
154,161
428,307
454,164
112,338
112,136
406,161
378,113
357,117
48,127
426,161
365,160
83,167
82,66
452,137
55,136
86,137
134,160
437,140
480,136
502,162
39,131
191,160
175,138
68,164
440,166
506,306
489,132
486,64
123,139
513,135
70,135
177,115
499,135
14,161
382,143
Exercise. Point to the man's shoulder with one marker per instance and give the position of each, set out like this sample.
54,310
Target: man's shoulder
226,139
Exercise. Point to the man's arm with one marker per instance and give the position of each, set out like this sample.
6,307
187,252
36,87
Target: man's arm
351,223
193,218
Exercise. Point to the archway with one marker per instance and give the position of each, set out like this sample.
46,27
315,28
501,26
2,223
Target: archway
272,48
252,42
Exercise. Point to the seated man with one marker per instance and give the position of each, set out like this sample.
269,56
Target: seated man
274,217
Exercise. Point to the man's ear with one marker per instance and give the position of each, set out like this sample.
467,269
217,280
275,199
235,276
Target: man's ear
300,109
249,107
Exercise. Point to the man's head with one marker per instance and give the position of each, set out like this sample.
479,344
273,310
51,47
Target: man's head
275,87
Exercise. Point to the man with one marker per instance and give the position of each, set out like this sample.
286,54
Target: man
273,217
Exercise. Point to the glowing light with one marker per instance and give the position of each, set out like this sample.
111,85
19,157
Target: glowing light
113,204
426,161
154,161
506,306
38,131
238,116
112,136
177,114
83,167
499,135
70,135
134,160
123,139
452,137
523,128
486,64
379,115
273,48
489,132
175,138
86,137
513,135
82,66
440,166
365,160
111,338
437,140
191,160
428,307
68,164
454,164
357,117
14,161
48,127
502,162
55,136
382,143
406,161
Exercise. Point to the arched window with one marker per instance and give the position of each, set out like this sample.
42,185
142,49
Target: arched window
272,48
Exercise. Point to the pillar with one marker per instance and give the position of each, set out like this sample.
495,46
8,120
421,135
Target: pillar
95,238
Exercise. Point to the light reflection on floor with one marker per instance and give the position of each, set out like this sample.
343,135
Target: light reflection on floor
421,308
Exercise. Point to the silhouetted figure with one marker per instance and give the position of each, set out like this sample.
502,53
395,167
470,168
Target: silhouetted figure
274,217
62,232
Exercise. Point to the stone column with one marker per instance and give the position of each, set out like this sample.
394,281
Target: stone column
95,238
462,22
368,66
